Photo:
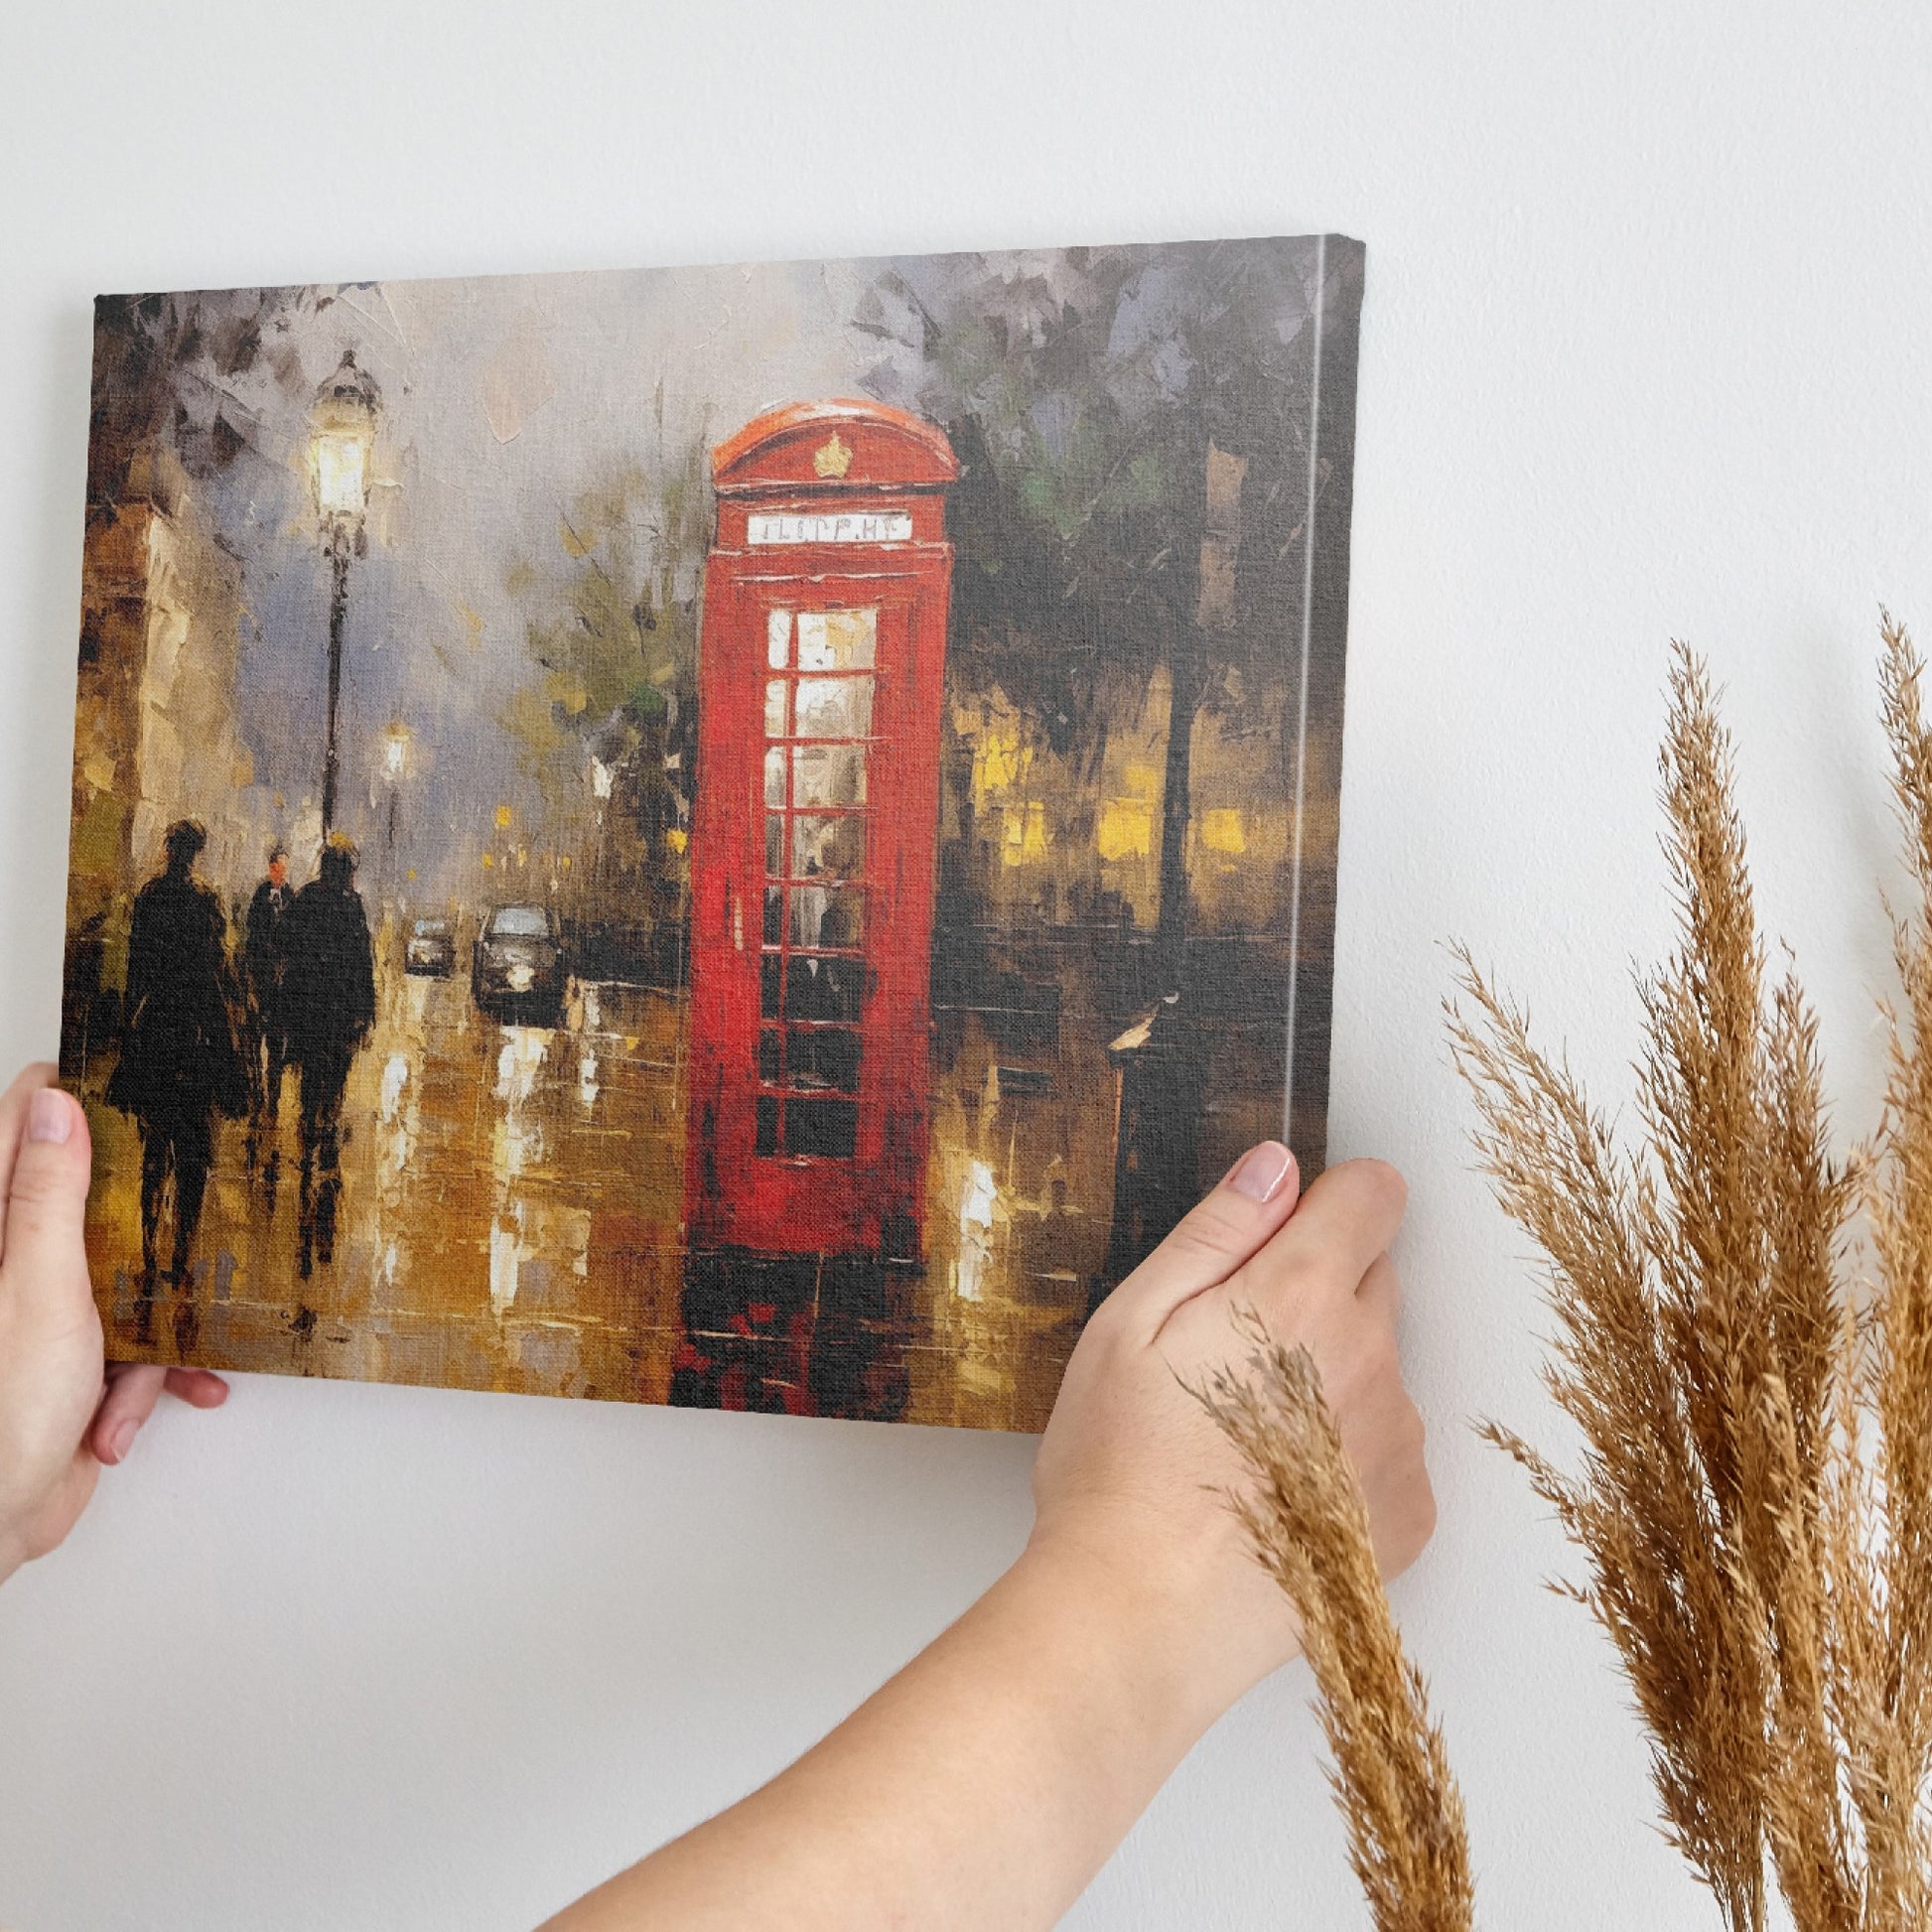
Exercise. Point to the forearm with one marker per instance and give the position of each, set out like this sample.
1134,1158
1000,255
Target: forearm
990,1779
984,1785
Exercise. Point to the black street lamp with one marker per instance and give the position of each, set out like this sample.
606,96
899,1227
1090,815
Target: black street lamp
341,426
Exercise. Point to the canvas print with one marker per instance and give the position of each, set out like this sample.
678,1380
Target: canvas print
745,837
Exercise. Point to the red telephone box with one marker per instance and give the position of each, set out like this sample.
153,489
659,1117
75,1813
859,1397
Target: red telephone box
813,836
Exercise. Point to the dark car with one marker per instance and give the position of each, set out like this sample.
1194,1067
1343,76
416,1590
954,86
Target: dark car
430,949
517,971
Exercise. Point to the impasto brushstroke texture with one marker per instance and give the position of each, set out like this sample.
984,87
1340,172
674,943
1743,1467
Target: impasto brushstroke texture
747,837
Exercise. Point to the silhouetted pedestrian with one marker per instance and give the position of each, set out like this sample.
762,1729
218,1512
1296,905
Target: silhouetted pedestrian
179,1062
327,1007
266,955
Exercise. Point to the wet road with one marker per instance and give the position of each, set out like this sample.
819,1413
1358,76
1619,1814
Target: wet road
509,1208
508,1211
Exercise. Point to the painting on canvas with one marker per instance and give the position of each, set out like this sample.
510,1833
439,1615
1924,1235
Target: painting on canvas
745,837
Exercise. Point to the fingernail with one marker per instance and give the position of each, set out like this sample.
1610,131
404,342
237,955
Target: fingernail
1260,1171
122,1440
50,1116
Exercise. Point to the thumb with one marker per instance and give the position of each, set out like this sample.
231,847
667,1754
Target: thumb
43,1250
1235,1220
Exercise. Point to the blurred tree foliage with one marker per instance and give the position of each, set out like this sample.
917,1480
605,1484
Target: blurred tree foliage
1133,430
610,638
165,372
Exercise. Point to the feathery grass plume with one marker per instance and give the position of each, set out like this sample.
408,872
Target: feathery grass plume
1888,1697
1309,1524
1755,1495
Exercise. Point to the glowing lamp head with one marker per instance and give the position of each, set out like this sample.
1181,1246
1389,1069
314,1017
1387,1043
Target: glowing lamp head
341,474
341,426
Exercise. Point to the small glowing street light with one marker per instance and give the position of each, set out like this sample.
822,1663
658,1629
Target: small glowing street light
341,436
395,768
602,774
395,752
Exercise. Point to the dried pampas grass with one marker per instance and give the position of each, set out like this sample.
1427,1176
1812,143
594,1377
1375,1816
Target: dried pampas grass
1755,1495
1753,1391
1309,1524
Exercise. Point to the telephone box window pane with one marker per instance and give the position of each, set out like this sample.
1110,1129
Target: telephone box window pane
827,915
835,846
823,1126
775,847
837,640
831,707
775,781
769,1055
824,988
777,638
775,708
770,969
775,914
822,1057
822,775
767,1140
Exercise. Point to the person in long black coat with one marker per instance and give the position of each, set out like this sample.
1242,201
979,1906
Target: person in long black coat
328,1008
179,1065
265,951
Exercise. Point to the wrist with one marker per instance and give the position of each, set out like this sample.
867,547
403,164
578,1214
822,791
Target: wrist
1157,1635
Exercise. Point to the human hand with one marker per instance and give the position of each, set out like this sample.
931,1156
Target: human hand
63,1413
1130,1478
1043,1719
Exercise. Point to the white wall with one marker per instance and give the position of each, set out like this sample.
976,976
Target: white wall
1644,353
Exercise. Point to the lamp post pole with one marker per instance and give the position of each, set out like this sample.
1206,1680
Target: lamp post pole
341,422
338,547
395,766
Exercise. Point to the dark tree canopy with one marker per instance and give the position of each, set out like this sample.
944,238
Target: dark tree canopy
1083,396
163,367
1134,433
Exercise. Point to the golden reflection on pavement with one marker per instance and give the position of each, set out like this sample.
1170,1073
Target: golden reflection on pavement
511,1212
481,1163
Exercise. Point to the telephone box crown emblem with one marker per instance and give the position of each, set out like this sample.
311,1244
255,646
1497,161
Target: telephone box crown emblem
833,457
